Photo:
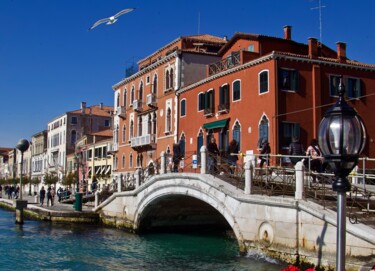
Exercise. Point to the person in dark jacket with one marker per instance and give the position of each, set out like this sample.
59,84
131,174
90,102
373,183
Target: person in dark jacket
213,152
266,150
296,148
42,195
176,158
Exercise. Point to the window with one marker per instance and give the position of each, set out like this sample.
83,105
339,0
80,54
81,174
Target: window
154,123
263,130
250,48
123,134
124,98
155,85
224,98
74,120
147,79
131,130
353,88
171,75
288,131
182,145
73,138
132,96
209,102
236,90
201,101
183,108
123,161
106,123
236,133
149,124
115,134
167,80
169,120
223,140
263,82
140,126
131,160
288,80
334,81
118,100
140,92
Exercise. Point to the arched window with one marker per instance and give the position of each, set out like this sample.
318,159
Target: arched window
154,123
236,133
263,130
140,126
182,144
236,90
131,160
116,139
171,75
183,108
263,82
131,130
140,93
132,96
149,124
125,94
73,137
123,161
155,85
118,100
116,162
167,80
169,120
123,134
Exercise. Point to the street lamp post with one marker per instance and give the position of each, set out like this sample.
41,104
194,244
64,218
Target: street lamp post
342,137
22,146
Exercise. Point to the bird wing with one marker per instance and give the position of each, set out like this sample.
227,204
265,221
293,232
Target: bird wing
99,22
123,12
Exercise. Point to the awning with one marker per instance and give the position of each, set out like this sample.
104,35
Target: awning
216,124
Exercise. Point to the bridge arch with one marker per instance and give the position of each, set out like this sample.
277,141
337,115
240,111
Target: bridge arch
185,188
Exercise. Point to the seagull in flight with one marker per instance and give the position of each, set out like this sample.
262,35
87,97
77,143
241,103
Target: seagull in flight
112,19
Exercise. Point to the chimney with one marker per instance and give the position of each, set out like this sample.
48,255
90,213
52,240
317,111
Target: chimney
287,32
225,38
101,106
341,51
83,107
313,47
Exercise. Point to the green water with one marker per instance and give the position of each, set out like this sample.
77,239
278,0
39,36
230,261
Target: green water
40,245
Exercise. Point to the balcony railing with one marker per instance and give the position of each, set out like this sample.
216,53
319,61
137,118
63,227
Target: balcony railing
208,112
121,112
137,105
223,108
225,64
142,140
151,99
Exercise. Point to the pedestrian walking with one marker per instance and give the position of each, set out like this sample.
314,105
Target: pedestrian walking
265,153
233,150
176,158
42,195
213,152
49,196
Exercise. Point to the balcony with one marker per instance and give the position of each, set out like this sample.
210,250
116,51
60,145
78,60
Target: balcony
223,108
142,141
121,112
225,64
137,105
208,112
151,100
112,148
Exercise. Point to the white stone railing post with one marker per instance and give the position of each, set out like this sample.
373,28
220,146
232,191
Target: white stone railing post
119,184
162,162
299,168
249,175
203,151
137,177
96,198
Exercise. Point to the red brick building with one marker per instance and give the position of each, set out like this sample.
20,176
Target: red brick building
272,88
146,106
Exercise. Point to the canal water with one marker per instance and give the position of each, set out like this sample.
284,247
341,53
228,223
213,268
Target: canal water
38,245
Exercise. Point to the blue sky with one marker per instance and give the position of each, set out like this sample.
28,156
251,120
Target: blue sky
50,62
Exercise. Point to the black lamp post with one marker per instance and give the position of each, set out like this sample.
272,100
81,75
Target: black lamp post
342,137
22,146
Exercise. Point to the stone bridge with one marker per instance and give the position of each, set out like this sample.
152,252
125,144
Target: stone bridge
282,227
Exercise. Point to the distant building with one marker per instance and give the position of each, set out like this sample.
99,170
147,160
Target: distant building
65,130
38,156
4,166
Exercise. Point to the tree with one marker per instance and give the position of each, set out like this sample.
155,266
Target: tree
69,179
50,179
